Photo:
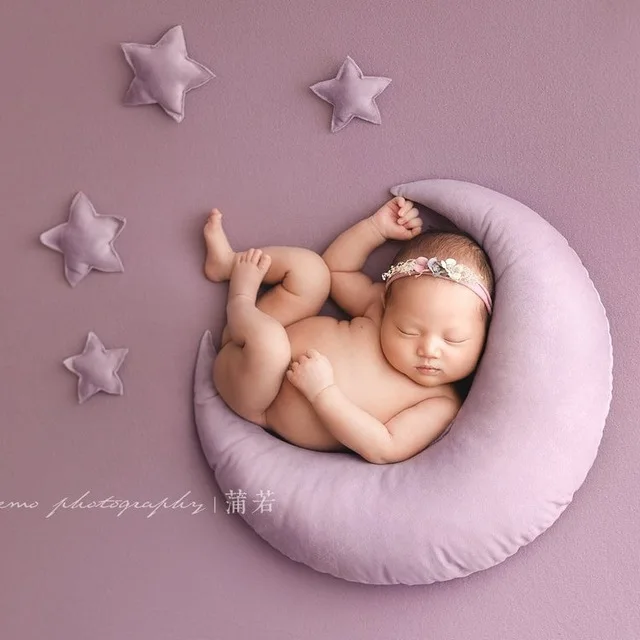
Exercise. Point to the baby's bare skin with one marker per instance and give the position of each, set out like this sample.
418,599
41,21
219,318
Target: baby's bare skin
338,385
360,371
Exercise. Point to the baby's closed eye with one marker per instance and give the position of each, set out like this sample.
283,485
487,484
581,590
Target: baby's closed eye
450,339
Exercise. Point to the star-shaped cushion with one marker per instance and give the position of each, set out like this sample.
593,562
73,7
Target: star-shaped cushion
163,73
97,368
86,240
351,94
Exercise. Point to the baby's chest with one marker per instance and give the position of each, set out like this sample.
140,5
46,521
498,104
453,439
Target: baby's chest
360,368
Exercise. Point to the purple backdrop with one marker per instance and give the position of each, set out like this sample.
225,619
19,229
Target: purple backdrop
540,101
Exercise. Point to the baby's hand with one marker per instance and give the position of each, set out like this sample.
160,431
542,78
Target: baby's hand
398,219
310,373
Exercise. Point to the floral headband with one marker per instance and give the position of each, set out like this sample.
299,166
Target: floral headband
447,268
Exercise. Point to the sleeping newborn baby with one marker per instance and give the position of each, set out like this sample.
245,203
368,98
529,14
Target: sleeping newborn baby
380,384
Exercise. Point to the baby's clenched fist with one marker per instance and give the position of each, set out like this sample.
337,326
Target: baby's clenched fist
397,219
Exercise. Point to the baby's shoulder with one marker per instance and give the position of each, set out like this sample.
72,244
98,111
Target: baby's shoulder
374,311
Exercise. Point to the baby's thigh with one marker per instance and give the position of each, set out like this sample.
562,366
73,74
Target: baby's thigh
249,382
302,292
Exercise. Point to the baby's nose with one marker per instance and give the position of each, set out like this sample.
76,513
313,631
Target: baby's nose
427,350
428,347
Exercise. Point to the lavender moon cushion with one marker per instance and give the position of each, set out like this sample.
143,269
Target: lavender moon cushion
520,446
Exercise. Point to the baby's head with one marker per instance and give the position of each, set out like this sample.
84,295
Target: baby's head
434,321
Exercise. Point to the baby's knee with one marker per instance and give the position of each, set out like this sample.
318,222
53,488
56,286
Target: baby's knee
269,339
317,271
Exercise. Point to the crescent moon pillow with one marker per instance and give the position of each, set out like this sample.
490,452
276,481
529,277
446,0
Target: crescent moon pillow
515,454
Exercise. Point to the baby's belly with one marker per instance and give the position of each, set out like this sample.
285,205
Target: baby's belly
361,372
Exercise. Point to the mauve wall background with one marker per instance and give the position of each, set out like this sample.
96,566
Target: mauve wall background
540,101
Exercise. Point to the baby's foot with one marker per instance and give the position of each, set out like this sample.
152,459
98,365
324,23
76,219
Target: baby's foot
219,261
249,270
244,319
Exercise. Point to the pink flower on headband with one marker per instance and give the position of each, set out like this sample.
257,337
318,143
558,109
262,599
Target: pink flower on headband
421,265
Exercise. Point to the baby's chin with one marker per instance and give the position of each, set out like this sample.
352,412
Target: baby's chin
436,379
433,380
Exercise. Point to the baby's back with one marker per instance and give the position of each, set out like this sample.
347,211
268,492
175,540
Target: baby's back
361,371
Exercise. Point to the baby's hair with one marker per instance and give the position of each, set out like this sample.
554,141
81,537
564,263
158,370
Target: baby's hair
449,244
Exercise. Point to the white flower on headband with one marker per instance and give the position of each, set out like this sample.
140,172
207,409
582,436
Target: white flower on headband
449,266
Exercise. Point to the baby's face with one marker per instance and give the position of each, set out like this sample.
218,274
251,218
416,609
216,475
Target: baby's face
432,322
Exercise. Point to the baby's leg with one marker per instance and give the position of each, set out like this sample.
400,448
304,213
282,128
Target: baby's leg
249,369
301,276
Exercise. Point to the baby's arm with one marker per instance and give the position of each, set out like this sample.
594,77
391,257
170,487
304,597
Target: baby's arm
406,434
351,289
402,437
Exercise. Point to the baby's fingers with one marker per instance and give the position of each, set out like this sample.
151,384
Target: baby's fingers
414,223
411,213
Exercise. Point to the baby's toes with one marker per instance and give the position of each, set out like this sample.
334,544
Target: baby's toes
254,256
264,262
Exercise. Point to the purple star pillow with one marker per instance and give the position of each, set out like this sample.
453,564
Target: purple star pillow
96,368
163,73
352,95
86,240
